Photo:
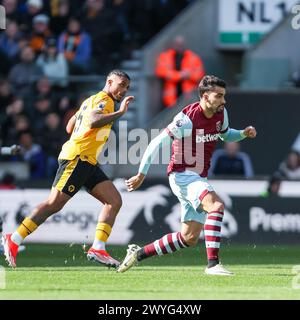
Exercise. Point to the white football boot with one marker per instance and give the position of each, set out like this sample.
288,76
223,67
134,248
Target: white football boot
218,270
130,259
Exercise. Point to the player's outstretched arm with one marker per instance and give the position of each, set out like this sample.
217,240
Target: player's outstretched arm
99,119
233,135
162,140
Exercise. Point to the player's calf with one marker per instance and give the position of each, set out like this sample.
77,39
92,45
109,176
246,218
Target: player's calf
167,244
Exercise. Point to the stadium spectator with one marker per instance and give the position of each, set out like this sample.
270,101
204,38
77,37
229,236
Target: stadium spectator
10,122
23,43
42,107
8,183
23,74
166,10
180,69
40,33
230,161
64,104
66,108
57,8
273,186
16,107
42,88
60,15
121,8
9,41
54,64
32,153
11,9
19,123
6,96
75,44
142,20
31,9
4,64
51,140
290,168
146,18
101,23
34,7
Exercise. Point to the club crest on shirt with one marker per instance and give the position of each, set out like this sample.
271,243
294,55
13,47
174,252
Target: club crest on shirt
219,125
179,123
71,188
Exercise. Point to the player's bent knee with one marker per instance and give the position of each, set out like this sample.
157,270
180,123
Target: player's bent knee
190,239
116,204
192,242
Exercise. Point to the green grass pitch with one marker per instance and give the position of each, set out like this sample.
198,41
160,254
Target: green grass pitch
62,272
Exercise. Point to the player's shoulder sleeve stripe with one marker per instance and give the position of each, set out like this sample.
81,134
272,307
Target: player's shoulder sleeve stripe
225,125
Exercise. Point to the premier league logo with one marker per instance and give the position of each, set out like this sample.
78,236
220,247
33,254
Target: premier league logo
101,105
219,126
178,123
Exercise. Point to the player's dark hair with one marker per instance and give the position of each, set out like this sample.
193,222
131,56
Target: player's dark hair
119,73
208,82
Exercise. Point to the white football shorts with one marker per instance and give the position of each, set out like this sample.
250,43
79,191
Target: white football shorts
190,189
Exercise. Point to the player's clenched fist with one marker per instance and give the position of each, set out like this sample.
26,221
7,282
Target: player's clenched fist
250,132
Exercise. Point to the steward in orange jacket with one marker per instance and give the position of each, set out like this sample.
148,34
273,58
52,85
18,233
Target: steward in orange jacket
181,72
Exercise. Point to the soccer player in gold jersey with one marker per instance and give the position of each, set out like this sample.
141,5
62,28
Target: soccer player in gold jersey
78,167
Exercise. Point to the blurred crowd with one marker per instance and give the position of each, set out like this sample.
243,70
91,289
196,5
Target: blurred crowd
46,41
90,34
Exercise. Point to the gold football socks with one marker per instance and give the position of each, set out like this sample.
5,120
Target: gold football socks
25,229
103,231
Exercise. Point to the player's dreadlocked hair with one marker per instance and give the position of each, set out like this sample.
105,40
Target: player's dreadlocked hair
209,82
119,73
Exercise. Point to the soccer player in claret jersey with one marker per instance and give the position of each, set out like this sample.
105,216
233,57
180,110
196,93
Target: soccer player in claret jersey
193,135
78,167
